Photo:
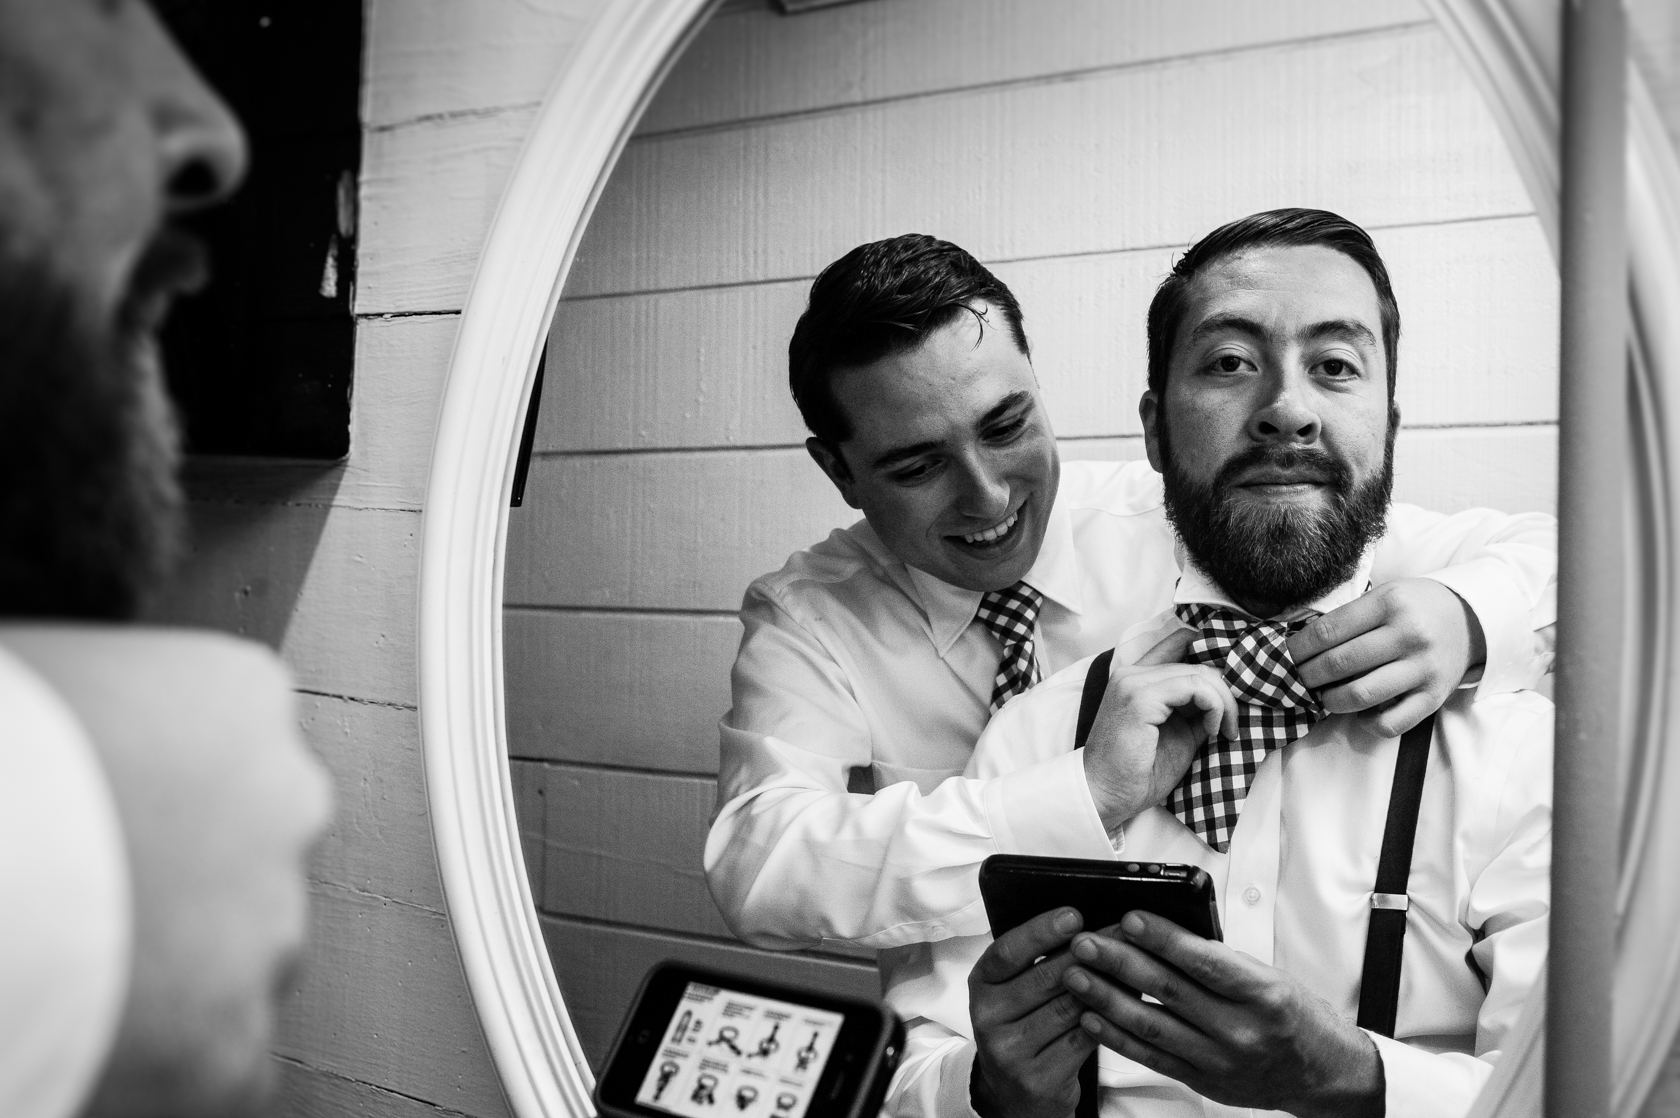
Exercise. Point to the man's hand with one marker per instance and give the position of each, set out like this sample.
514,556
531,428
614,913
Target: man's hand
1229,1028
1395,654
1028,1043
1154,716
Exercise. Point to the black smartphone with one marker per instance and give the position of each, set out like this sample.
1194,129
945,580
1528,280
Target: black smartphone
1018,887
698,1043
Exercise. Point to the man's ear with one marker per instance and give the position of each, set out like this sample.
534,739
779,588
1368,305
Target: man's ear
1149,410
830,462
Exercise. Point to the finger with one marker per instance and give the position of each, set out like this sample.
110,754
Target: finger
1170,650
1017,949
1371,649
1208,964
1375,688
1140,972
1129,1046
1339,626
1396,718
1041,1030
1152,1024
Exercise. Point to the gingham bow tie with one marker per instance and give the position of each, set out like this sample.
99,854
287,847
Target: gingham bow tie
1011,614
1273,709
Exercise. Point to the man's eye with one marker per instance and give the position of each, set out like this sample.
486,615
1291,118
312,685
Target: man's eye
1007,430
1228,363
1336,367
910,475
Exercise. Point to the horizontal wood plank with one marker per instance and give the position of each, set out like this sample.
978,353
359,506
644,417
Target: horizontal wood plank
380,839
664,531
382,1000
429,191
332,588
1387,130
755,62
599,968
306,1092
625,847
625,689
429,58
708,368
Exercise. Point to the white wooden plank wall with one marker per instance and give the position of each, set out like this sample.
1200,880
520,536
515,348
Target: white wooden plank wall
1075,145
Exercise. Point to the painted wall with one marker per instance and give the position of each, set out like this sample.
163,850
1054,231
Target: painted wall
321,563
1076,146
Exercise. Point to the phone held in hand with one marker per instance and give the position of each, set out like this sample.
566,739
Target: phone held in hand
698,1043
1018,887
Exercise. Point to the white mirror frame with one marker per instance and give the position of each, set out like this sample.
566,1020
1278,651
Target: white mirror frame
608,79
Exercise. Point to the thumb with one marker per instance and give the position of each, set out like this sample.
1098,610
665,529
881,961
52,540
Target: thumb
1171,649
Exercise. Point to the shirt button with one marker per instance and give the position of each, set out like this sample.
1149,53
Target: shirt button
1252,895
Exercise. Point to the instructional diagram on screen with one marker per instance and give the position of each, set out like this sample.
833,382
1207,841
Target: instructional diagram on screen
727,1053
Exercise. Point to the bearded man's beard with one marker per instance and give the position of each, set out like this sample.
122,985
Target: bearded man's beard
1277,554
90,508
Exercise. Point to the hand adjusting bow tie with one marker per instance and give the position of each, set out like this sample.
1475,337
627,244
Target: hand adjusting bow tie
1273,709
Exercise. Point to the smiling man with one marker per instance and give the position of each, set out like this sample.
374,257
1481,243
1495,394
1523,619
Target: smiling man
874,660
1270,415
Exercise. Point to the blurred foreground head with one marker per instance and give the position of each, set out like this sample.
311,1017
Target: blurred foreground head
106,134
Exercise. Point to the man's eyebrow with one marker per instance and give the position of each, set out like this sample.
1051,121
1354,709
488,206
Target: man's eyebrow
1343,328
1225,323
899,454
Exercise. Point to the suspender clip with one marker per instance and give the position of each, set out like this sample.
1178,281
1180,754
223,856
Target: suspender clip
1397,902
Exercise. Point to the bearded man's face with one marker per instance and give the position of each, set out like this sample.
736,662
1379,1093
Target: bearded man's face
1274,435
105,134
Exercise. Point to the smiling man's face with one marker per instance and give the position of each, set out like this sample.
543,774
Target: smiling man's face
1274,430
951,457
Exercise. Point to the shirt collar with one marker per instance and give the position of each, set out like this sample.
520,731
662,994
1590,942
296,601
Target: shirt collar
1056,574
1195,586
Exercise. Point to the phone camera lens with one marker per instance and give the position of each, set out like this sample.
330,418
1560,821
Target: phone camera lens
1154,868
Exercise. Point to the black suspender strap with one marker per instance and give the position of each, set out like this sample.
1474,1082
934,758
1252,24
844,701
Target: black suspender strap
1385,938
1096,685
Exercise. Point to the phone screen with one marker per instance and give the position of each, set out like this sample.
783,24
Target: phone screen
726,1052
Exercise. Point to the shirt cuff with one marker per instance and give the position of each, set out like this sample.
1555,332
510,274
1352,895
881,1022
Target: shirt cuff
955,1074
1046,809
1420,1084
1515,657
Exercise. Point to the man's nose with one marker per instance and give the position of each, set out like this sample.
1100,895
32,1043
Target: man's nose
985,494
201,147
1287,415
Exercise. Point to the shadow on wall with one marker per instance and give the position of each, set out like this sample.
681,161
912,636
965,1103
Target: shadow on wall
239,574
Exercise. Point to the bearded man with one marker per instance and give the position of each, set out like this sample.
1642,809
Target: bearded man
157,802
1270,415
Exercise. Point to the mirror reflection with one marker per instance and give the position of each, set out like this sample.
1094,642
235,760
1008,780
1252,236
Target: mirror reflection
1074,155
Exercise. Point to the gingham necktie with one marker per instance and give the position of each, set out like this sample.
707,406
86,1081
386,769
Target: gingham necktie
1273,709
1011,614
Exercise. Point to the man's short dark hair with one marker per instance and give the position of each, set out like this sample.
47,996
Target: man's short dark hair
1271,229
880,299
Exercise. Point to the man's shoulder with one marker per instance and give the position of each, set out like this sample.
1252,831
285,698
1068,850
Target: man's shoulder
849,558
1114,488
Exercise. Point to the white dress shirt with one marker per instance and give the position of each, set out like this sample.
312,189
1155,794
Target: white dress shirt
1294,890
66,936
851,659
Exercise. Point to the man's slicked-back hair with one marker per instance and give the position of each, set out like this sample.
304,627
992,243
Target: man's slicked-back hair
1271,229
879,299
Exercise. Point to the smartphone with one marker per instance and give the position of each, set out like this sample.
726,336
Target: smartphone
1018,887
698,1043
